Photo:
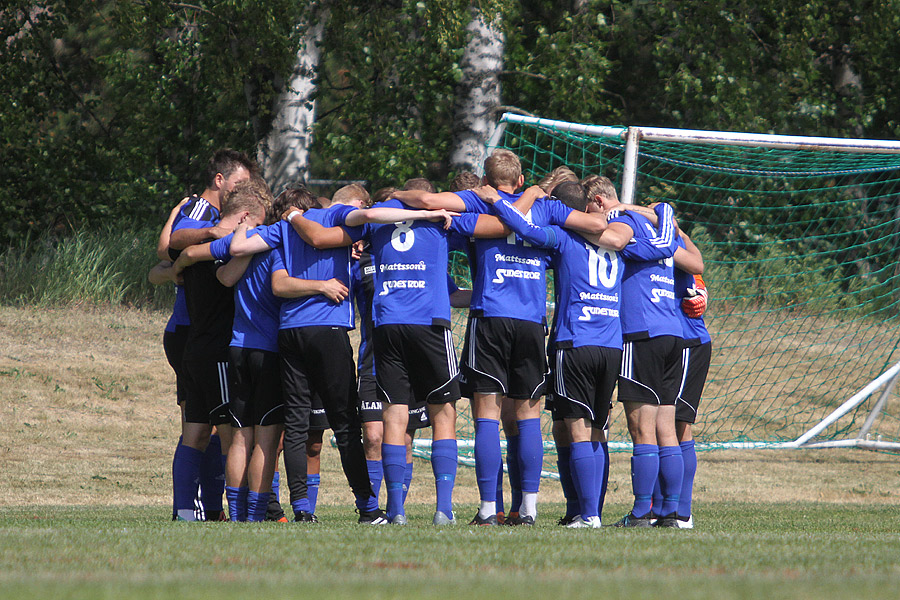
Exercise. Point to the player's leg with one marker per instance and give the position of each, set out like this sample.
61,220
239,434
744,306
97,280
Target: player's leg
433,361
373,429
333,376
671,462
313,465
242,380
393,456
488,458
511,433
687,405
297,407
261,469
526,378
563,442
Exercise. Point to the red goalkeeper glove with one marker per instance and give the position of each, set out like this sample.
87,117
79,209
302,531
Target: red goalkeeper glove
694,304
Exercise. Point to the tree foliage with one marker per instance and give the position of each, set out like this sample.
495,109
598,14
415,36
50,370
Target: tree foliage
109,109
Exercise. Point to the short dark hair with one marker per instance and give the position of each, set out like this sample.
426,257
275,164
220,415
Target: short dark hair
465,180
296,195
419,183
226,161
571,193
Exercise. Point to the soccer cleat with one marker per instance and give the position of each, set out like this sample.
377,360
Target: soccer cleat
526,520
217,515
512,519
477,520
565,520
630,520
372,517
670,520
281,519
589,523
440,518
501,518
302,516
687,523
398,520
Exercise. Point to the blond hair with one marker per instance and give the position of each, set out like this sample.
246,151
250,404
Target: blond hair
252,195
349,193
503,168
598,185
556,177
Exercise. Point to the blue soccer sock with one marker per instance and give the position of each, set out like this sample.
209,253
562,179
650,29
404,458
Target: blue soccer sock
276,486
671,472
393,458
570,492
212,476
376,474
584,476
498,502
312,490
300,505
644,470
185,479
657,497
257,505
444,459
531,462
174,455
515,473
407,480
237,502
689,457
601,455
488,461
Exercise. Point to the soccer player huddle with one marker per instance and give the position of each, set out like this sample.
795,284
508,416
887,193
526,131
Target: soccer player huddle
259,342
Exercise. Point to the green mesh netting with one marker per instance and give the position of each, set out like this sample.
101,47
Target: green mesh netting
801,251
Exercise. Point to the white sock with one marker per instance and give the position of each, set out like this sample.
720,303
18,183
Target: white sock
487,509
529,505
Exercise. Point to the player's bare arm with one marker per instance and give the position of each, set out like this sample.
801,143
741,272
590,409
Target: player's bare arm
192,254
689,259
285,286
615,237
241,245
315,234
233,271
430,200
162,245
181,239
387,215
163,273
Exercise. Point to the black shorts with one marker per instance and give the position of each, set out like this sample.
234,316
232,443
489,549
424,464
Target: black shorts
696,366
415,364
206,390
256,396
173,345
583,382
318,420
651,371
369,404
504,356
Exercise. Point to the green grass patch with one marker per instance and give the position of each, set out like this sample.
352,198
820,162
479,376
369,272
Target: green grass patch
815,551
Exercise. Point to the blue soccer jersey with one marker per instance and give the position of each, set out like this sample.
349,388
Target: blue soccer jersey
410,260
303,261
694,330
179,315
196,213
256,308
509,278
649,307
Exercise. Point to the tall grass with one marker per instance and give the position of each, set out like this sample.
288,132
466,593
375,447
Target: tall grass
107,266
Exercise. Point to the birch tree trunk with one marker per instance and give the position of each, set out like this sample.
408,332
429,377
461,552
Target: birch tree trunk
478,94
283,154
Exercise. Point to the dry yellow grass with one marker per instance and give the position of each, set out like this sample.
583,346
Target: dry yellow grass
88,417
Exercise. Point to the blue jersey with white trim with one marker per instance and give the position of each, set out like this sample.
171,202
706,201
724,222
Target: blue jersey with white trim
256,308
510,275
410,260
649,307
197,213
694,330
303,261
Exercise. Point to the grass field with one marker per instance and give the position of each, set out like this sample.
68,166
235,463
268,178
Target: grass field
87,428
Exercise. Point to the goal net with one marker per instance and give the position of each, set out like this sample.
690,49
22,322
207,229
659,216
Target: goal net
801,241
